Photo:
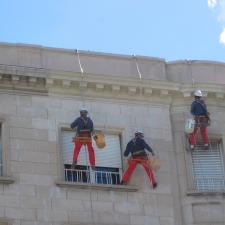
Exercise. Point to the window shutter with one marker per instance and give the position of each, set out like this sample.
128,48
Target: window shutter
110,156
208,171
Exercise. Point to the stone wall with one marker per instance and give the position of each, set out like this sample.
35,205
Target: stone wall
42,90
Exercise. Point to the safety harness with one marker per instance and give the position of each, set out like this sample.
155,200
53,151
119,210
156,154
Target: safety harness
84,130
198,119
137,151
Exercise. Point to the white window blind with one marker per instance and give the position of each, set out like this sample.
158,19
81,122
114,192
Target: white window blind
110,156
208,169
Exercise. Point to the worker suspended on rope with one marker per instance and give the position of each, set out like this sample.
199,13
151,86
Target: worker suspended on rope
137,148
84,129
201,116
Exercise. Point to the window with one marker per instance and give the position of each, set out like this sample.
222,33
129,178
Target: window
208,169
108,161
4,151
0,150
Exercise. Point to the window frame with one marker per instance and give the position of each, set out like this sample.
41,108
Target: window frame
4,135
188,160
107,130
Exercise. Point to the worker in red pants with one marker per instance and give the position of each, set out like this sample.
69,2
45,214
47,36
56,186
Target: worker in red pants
84,127
199,111
137,148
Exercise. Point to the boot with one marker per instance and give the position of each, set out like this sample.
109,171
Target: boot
206,147
93,167
73,165
154,185
123,183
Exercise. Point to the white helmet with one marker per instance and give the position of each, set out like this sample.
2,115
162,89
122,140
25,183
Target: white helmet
83,111
198,93
139,132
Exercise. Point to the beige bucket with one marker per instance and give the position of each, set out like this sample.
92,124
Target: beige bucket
189,126
100,140
154,163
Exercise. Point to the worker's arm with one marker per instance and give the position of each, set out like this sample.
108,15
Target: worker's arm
74,124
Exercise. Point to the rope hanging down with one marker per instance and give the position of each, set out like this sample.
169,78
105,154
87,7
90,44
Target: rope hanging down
197,150
192,78
142,109
81,70
89,174
139,74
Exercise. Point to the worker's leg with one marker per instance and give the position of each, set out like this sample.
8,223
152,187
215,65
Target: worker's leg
150,174
203,132
91,153
192,137
76,152
129,172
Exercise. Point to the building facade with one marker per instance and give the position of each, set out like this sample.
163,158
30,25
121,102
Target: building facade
42,90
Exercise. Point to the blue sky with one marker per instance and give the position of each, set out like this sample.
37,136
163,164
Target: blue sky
172,30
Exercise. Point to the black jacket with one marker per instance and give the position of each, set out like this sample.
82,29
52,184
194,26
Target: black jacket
198,108
140,145
80,124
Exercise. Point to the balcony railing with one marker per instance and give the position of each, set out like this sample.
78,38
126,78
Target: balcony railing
209,183
89,176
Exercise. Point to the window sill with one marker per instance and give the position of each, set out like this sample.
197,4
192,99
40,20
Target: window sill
205,192
6,180
105,187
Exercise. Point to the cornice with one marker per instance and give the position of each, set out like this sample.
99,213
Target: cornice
70,84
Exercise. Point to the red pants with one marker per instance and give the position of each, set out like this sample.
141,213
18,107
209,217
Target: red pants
91,152
133,166
203,132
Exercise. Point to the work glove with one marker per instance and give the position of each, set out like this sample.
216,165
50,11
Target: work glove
153,154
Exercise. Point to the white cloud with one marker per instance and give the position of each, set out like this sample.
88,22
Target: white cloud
221,11
222,37
218,8
212,3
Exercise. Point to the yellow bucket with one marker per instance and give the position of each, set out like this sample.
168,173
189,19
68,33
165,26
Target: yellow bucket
100,140
154,163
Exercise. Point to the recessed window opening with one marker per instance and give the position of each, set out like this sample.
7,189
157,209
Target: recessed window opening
108,168
208,168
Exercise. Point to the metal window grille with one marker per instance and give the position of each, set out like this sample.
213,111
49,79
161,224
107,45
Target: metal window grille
0,155
208,169
89,176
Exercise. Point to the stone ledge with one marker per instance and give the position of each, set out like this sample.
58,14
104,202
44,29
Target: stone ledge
105,187
6,180
4,221
205,192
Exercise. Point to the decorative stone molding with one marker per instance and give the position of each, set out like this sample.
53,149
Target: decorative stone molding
82,85
49,82
15,79
147,91
5,221
66,84
124,87
131,90
6,180
219,95
93,186
99,87
205,192
32,81
115,88
205,94
187,94
164,92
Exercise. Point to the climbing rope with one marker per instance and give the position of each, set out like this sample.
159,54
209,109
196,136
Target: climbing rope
142,112
88,165
193,86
